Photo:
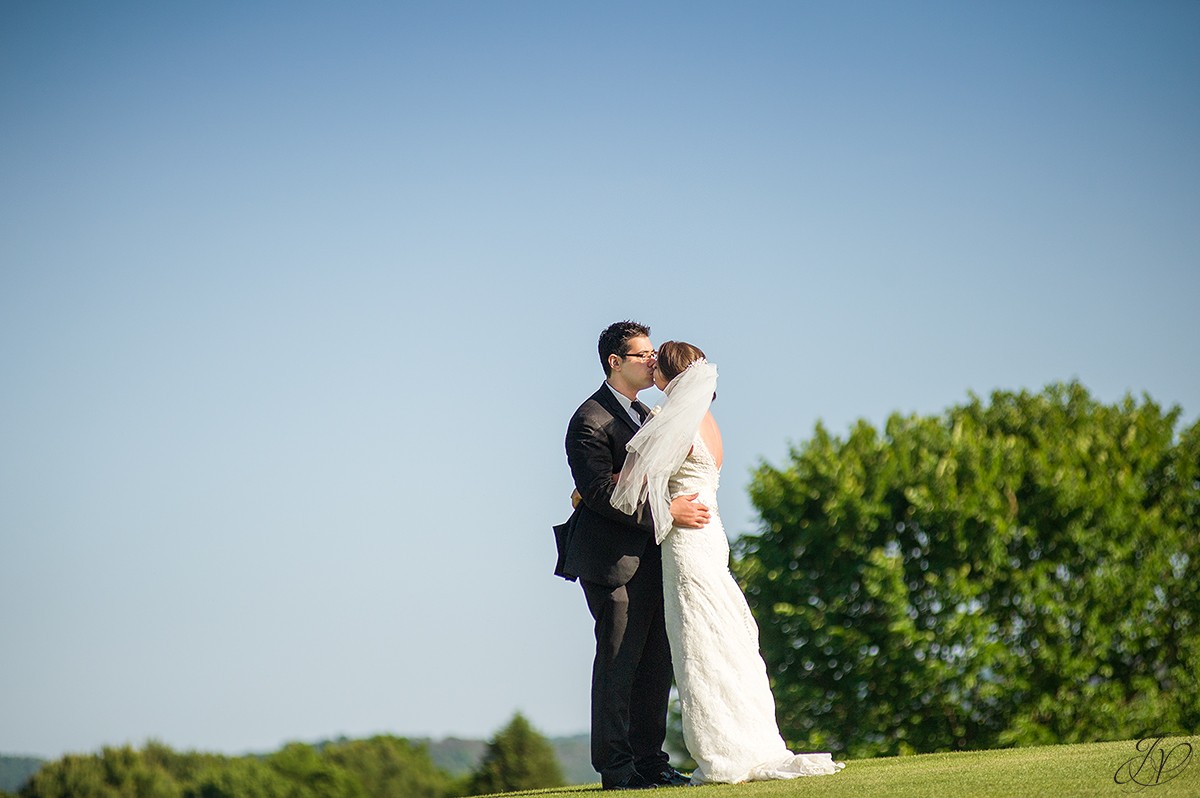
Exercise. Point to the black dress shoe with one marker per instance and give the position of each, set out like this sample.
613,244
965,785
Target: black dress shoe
669,777
634,782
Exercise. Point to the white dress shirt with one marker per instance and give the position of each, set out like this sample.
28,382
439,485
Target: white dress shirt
626,403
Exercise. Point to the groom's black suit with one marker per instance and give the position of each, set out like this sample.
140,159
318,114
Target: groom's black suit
620,568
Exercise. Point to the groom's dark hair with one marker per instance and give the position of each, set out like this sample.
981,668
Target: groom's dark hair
615,340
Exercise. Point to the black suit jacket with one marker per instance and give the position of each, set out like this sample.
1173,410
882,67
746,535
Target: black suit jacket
600,543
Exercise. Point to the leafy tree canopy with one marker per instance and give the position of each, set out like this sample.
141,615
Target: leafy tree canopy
114,773
392,767
382,767
1018,572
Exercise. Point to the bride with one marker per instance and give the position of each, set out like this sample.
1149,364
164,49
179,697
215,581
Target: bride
728,710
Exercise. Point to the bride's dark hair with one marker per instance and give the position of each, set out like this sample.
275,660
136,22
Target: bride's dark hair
675,356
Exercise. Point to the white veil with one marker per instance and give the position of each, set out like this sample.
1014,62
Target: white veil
660,446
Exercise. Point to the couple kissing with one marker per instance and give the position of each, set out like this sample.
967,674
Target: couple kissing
646,544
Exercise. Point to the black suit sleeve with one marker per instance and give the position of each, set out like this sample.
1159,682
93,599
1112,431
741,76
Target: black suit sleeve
590,455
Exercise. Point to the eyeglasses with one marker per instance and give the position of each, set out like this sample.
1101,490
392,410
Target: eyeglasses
642,356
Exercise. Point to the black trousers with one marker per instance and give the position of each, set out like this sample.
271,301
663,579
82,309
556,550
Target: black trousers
631,676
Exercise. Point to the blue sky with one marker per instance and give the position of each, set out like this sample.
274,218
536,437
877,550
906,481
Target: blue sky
296,300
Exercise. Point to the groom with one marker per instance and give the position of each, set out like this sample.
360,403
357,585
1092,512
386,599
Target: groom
617,562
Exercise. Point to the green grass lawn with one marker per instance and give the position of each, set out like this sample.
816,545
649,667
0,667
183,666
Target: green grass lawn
1086,771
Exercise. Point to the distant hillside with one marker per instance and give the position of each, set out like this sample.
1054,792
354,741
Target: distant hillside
458,757
575,756
16,770
454,755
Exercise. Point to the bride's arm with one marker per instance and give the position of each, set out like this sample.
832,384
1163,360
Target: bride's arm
685,510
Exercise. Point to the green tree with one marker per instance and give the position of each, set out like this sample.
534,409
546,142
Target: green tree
1014,573
310,775
517,758
242,777
185,768
114,773
391,767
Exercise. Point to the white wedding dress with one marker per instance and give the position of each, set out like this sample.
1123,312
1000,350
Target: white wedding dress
728,710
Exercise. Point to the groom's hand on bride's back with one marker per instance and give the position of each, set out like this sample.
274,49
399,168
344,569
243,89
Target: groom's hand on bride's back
689,513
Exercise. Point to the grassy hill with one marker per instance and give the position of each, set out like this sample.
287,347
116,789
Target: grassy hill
1060,771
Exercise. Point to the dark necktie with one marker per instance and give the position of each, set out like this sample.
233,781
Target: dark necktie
640,409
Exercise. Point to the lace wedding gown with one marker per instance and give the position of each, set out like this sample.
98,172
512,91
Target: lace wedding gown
728,710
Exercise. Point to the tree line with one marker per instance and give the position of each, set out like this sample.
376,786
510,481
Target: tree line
516,758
